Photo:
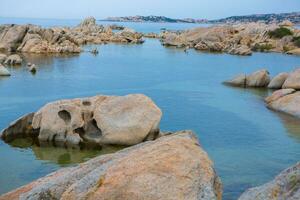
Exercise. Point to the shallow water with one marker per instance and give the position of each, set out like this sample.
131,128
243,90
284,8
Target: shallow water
248,143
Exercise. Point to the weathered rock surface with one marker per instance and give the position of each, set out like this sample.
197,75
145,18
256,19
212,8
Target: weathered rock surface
4,71
238,81
35,39
293,80
285,186
286,101
99,120
294,52
259,78
239,39
278,81
14,59
171,167
278,94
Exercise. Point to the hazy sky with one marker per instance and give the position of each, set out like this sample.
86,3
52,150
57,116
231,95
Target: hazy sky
76,9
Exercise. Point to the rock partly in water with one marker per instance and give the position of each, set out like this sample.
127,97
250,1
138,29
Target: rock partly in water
14,59
259,78
99,120
238,81
286,101
171,167
278,81
35,39
32,69
294,52
293,80
239,39
4,71
21,128
286,186
278,94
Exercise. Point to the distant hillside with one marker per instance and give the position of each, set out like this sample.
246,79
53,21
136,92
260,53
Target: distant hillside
157,19
267,18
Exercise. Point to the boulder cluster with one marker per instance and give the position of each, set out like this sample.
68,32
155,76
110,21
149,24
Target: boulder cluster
35,39
285,99
238,39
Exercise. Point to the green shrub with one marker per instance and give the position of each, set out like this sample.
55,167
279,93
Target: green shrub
296,41
262,47
280,32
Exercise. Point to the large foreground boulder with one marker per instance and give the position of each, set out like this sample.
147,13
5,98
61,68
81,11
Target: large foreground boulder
171,167
286,101
286,186
99,120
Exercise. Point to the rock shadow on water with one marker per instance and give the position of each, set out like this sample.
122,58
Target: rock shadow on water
60,155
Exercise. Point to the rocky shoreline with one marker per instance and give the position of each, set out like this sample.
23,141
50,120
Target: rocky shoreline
238,39
285,99
35,39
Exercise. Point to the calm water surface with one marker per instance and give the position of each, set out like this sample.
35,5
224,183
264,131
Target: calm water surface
248,143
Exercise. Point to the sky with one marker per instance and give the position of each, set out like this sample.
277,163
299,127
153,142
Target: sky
77,9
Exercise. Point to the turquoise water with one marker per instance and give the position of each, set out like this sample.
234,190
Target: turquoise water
248,143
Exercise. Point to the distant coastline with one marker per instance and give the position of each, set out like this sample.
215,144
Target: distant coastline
294,17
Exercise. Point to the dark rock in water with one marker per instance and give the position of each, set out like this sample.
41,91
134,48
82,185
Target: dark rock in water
170,167
285,186
20,128
99,120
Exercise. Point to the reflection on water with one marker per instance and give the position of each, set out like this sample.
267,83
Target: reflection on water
62,156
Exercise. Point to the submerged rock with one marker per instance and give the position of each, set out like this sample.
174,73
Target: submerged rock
285,186
278,81
171,167
4,71
14,59
293,80
99,120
